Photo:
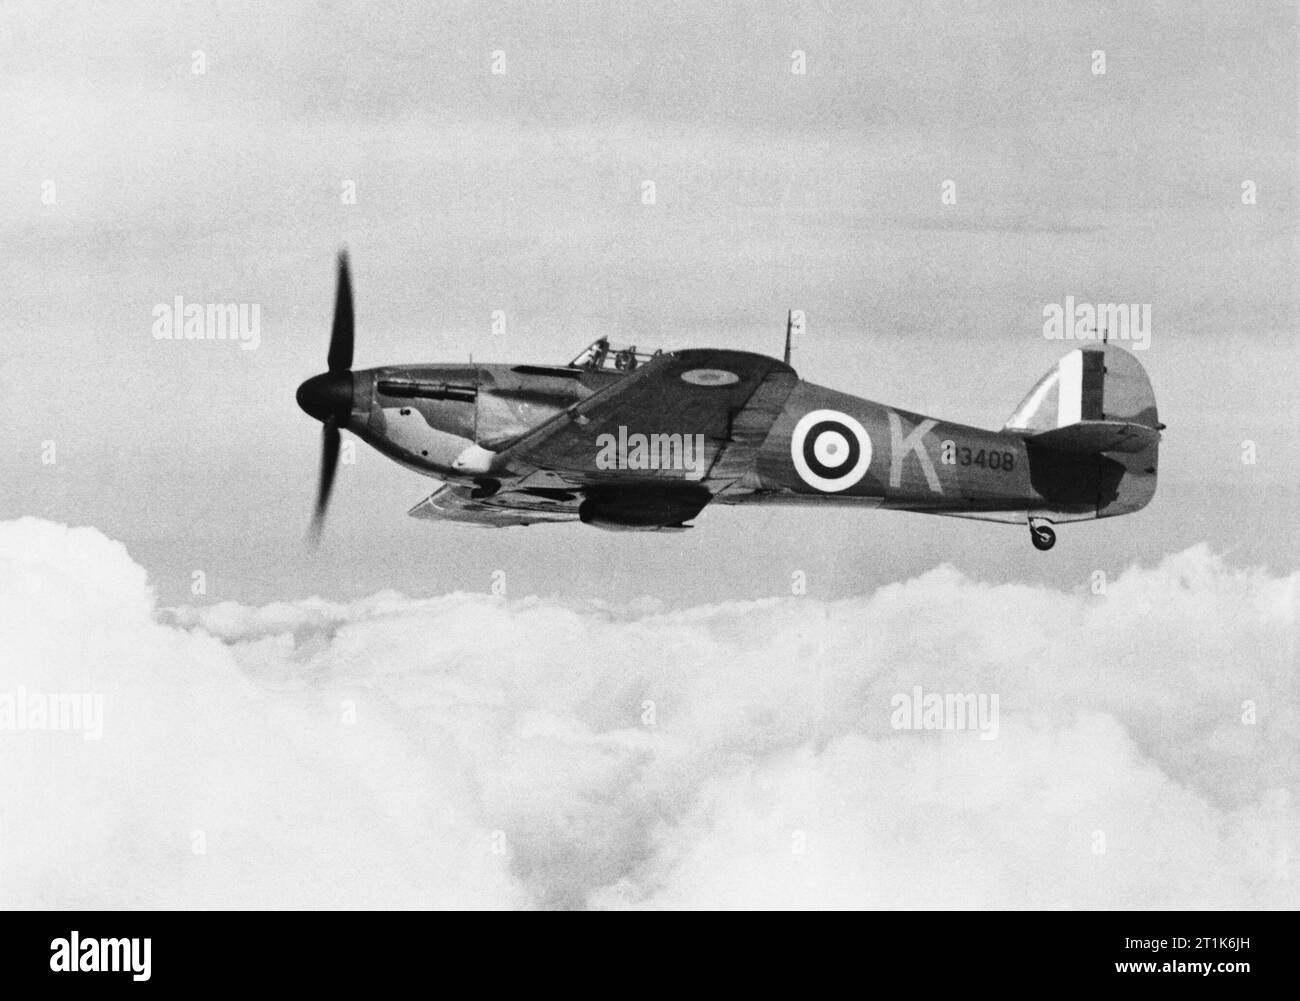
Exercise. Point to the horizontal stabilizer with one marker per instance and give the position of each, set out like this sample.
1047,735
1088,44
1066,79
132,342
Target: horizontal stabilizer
1089,437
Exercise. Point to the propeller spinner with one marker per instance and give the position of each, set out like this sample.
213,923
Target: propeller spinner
328,396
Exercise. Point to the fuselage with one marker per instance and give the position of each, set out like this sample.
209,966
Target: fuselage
430,417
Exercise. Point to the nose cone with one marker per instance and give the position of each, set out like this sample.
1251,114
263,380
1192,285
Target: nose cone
327,395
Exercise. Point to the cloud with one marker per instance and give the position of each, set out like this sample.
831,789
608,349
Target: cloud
474,751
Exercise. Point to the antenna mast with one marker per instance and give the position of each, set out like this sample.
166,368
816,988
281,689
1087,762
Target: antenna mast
476,388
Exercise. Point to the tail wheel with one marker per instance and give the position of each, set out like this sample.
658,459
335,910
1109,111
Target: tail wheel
1043,535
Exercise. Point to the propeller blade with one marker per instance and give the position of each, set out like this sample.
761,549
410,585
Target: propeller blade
329,462
340,355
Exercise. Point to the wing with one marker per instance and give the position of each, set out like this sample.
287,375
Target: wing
697,416
452,502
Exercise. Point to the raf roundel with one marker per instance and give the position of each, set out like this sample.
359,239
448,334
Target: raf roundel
710,377
830,450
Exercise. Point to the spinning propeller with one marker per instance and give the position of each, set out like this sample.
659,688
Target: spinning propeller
328,396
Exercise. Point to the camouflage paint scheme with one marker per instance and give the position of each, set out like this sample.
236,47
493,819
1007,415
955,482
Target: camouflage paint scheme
517,445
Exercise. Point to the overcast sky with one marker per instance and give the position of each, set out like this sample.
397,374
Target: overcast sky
477,192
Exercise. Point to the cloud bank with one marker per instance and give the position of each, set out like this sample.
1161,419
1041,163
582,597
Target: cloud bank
479,751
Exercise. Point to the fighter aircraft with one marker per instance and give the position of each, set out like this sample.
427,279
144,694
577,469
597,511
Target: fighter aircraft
636,441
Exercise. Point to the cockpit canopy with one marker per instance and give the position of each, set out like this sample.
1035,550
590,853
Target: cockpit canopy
601,356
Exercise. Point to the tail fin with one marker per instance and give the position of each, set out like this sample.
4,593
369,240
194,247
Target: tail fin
1102,383
1096,401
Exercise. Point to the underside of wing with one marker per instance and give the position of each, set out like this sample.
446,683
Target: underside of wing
452,502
